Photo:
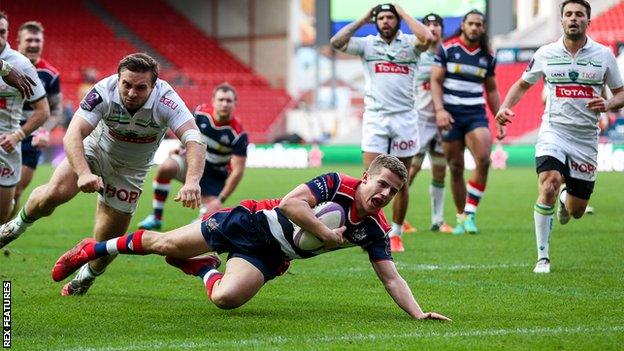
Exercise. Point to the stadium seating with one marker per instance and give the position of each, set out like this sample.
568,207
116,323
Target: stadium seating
608,27
528,111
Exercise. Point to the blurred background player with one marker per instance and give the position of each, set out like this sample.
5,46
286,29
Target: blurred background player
30,40
226,155
11,104
390,122
567,144
429,136
258,235
109,145
463,69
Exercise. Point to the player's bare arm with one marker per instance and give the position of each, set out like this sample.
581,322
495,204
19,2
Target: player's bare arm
18,80
340,40
493,101
601,104
238,169
297,206
422,33
514,95
400,292
190,193
56,111
41,113
443,118
79,129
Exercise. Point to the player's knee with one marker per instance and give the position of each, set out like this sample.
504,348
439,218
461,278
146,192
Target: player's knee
483,161
167,170
226,300
456,168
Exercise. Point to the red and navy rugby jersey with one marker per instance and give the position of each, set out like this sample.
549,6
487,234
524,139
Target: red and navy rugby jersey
50,78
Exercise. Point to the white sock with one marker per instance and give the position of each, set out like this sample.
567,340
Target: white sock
86,273
563,196
543,216
437,204
397,230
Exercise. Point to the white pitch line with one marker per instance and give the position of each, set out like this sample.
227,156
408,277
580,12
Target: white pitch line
281,340
436,267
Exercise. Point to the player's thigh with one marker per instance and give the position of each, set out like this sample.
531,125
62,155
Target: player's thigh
479,142
109,222
63,184
454,152
184,242
241,281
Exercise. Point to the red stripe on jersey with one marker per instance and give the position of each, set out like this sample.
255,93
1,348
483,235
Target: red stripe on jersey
255,206
456,41
233,123
45,65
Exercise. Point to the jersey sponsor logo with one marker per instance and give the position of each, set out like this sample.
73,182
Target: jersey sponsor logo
426,85
404,145
358,234
3,103
590,75
129,196
390,67
583,167
558,74
530,65
574,92
90,101
573,75
169,103
132,138
6,172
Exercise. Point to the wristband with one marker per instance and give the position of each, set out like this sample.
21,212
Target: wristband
19,134
6,69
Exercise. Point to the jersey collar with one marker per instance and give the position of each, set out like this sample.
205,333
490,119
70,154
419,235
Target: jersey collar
398,37
588,44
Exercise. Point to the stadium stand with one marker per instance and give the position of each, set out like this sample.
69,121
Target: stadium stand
608,27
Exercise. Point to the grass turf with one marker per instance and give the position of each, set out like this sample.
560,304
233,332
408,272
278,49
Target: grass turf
334,301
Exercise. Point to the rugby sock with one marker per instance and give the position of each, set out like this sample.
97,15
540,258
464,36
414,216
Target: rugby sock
210,276
161,191
87,273
23,220
543,215
128,244
475,193
563,196
436,191
397,230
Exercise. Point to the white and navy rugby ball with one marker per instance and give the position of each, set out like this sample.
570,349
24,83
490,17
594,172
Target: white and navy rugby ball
331,214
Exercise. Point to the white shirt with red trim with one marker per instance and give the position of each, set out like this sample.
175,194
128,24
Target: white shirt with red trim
131,140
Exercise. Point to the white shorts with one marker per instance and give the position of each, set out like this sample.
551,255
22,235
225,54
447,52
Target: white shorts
429,137
122,185
394,134
576,150
10,167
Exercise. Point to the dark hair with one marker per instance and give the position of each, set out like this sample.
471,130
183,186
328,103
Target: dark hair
31,26
580,2
226,87
4,15
484,42
139,62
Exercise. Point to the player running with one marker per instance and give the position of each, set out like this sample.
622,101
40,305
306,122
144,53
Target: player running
258,235
110,144
575,69
226,155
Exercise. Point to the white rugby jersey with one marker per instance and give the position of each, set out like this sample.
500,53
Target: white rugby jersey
11,101
424,101
131,140
572,81
389,71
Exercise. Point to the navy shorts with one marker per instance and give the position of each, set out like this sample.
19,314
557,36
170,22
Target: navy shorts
30,154
467,118
212,181
576,187
238,232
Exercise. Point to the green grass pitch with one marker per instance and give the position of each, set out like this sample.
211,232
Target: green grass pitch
483,282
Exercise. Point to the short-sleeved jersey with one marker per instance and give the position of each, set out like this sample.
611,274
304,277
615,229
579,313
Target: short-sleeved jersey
571,81
222,139
389,71
424,101
466,70
131,140
370,232
11,101
51,81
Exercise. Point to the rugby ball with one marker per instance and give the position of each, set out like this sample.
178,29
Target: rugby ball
331,214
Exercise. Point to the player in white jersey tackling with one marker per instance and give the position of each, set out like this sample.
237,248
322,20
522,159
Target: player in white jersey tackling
390,123
110,144
575,69
11,104
429,136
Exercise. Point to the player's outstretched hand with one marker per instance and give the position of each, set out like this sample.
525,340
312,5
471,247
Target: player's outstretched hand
90,183
504,116
23,83
337,239
434,316
189,195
